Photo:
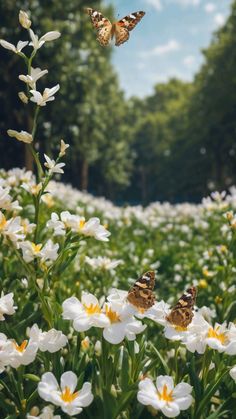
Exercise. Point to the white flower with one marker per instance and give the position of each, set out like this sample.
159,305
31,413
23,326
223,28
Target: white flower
35,75
20,45
157,312
49,251
85,314
57,225
51,341
5,347
164,396
65,396
12,228
6,200
63,148
37,43
93,228
47,96
52,166
233,373
121,322
6,305
24,19
32,188
23,354
47,413
30,250
102,263
23,136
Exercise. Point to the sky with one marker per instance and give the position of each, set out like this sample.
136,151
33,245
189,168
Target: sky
167,42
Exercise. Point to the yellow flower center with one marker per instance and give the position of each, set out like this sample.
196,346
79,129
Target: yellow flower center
92,309
112,315
3,222
20,348
213,333
180,328
81,224
67,396
164,395
36,248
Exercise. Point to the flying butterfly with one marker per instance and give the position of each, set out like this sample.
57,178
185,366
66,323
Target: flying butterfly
182,313
141,293
120,29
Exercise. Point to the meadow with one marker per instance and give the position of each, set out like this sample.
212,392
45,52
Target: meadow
71,343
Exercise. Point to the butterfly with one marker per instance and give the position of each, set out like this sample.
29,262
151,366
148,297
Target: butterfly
107,30
182,313
141,293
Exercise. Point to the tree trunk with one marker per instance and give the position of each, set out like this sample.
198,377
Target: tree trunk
84,175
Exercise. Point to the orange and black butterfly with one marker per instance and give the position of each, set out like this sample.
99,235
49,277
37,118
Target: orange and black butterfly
120,29
182,313
141,293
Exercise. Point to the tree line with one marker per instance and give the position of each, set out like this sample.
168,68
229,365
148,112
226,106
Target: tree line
176,144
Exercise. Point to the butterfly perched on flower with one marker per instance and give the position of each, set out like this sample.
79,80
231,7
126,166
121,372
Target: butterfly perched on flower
182,313
141,293
120,29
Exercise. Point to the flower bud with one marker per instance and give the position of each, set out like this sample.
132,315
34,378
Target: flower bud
24,20
23,97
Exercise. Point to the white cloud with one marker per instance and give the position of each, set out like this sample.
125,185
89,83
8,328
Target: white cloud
210,7
187,2
189,61
219,19
170,46
159,4
156,4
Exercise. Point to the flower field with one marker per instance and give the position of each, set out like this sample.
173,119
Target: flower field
72,341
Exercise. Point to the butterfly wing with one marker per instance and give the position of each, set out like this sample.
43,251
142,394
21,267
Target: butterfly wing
125,25
182,313
102,25
141,294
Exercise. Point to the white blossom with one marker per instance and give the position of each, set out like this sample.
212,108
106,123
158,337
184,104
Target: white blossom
6,305
47,96
33,77
166,397
65,395
18,48
52,166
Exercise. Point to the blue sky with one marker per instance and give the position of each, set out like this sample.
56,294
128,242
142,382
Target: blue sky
167,42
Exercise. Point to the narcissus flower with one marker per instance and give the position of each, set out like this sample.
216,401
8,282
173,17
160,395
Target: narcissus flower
166,397
85,314
65,395
23,136
6,305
